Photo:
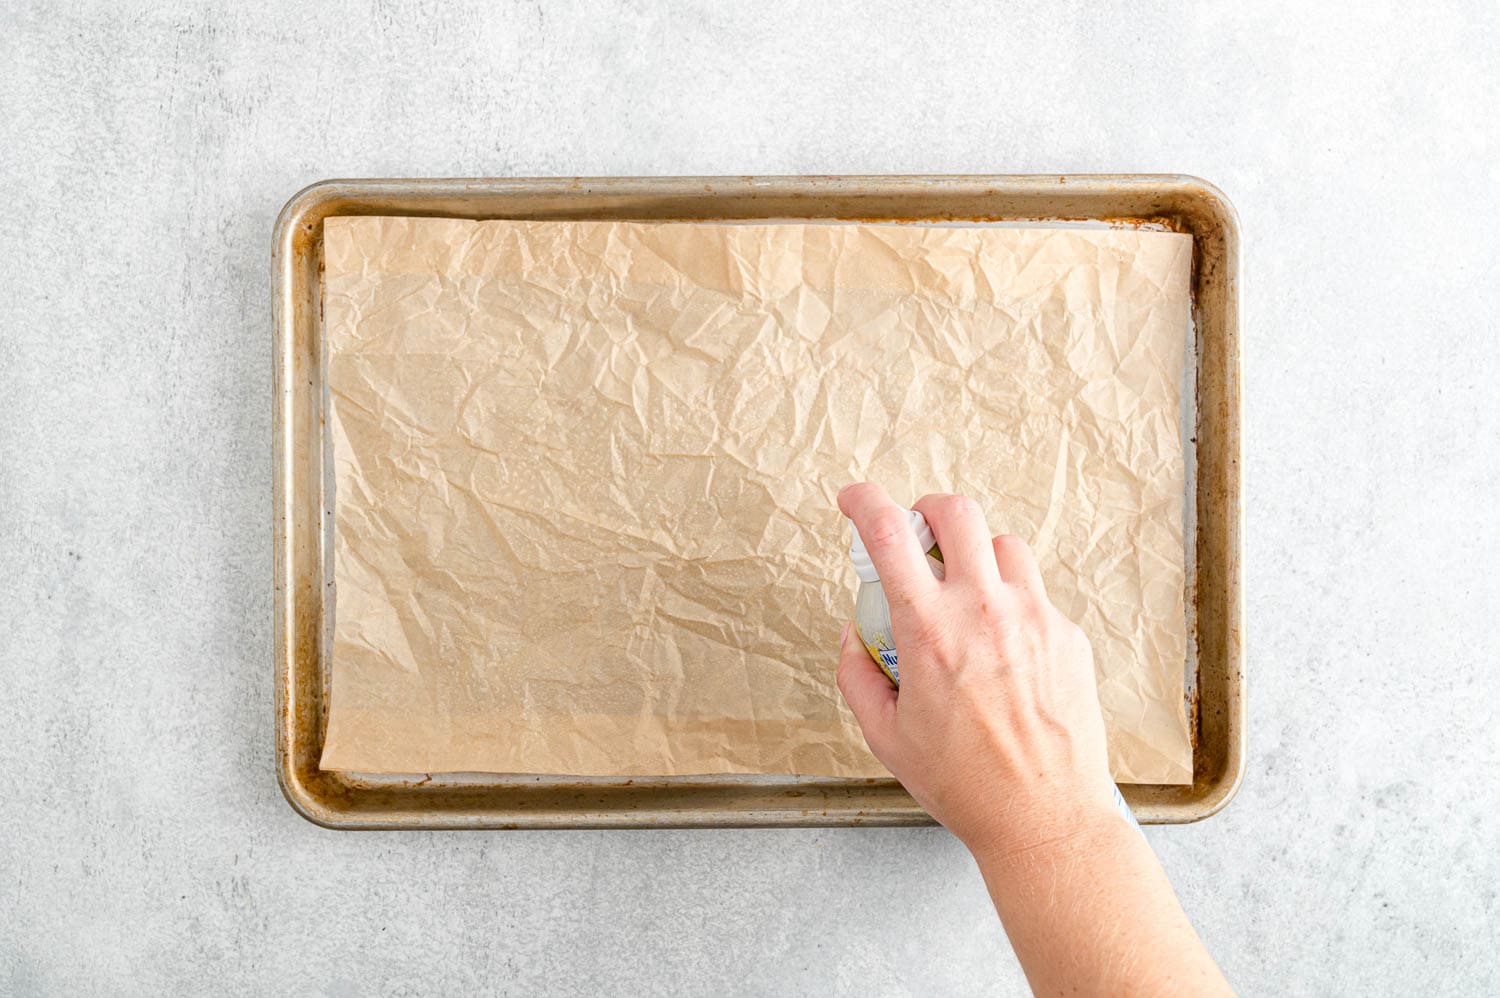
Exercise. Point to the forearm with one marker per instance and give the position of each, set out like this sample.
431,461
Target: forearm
1089,910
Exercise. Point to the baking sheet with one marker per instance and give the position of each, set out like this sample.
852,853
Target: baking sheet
501,608
302,496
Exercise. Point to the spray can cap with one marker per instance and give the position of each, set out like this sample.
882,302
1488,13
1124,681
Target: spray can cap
865,568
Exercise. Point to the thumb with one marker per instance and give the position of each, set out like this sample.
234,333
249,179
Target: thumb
867,691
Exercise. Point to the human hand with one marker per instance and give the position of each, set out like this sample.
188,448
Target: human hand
996,730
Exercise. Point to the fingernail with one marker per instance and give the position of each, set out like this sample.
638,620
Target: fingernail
844,638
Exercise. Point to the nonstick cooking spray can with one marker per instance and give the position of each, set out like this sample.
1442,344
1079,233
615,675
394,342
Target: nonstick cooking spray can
872,612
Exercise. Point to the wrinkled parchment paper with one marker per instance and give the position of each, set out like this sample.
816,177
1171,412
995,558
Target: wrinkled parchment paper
585,476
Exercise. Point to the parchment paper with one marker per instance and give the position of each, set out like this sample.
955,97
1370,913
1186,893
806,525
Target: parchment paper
585,476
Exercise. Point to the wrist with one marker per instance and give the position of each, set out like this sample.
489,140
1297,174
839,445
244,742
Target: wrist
1049,830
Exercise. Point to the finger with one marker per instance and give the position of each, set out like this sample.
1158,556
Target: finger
866,690
1017,565
889,539
962,535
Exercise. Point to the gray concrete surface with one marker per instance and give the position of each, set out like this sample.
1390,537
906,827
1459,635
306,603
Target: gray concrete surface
145,149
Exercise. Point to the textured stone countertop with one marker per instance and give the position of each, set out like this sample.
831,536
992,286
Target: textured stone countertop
145,150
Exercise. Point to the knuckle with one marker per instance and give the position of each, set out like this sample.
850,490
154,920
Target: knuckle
885,528
986,608
915,603
1061,629
1080,637
1046,631
923,632
1011,544
960,506
844,675
845,686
